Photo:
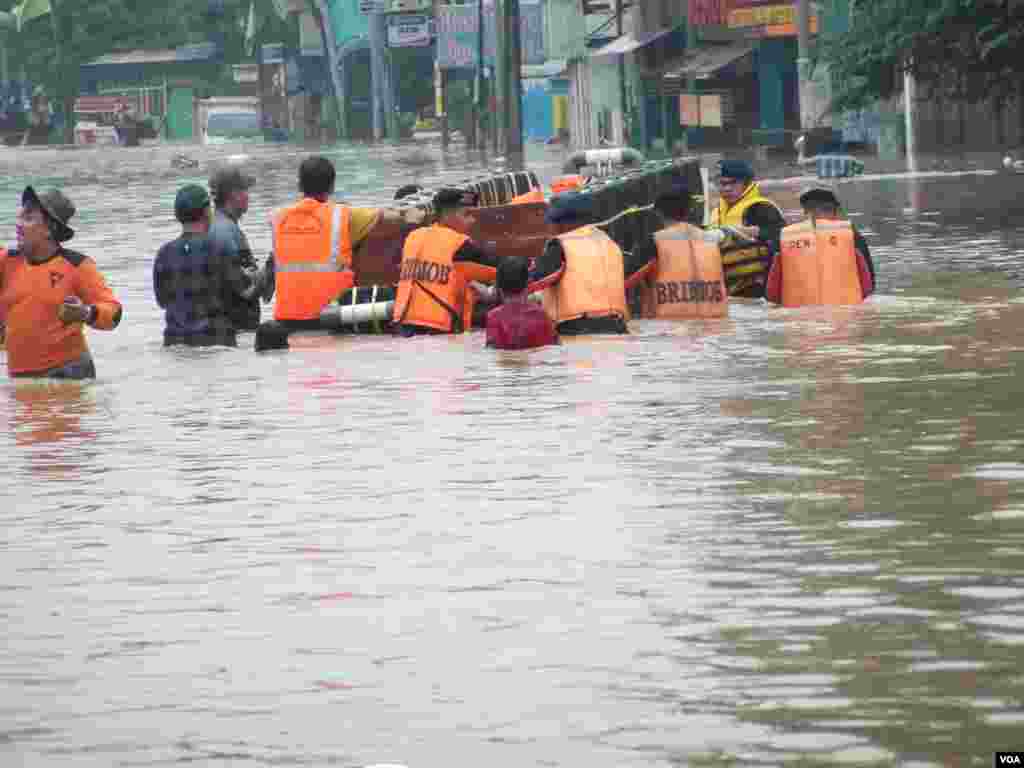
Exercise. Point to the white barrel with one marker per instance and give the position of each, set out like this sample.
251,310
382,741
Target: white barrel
337,316
607,156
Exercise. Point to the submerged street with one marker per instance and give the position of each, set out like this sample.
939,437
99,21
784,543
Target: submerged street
792,537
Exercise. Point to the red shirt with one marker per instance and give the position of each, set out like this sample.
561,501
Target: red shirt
519,325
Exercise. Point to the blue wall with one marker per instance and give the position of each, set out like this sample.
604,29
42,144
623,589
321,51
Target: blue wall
538,113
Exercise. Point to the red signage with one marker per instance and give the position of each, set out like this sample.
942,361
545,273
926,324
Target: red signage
704,13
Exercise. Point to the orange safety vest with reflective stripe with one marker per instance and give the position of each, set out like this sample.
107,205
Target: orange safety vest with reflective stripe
431,291
312,257
593,284
690,281
819,264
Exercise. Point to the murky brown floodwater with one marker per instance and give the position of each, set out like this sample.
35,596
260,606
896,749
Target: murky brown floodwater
789,538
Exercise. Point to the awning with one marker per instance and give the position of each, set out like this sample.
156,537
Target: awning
629,42
706,61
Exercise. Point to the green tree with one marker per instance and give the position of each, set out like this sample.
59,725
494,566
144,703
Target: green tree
960,48
53,46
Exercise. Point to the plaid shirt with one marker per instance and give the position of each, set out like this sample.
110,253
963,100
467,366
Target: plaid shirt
192,283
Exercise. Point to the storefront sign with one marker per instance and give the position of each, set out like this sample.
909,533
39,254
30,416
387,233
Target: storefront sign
457,34
408,31
705,110
408,6
768,20
704,13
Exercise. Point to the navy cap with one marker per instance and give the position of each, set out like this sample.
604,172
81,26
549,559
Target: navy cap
190,199
735,169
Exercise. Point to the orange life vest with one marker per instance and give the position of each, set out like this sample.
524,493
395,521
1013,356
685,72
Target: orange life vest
566,183
593,283
690,280
819,264
431,290
533,196
312,257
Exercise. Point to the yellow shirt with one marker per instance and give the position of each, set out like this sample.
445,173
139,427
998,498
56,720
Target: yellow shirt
362,222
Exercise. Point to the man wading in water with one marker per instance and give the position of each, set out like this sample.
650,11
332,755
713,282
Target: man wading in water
229,187
47,293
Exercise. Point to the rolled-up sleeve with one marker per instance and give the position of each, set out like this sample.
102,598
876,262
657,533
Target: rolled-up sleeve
93,289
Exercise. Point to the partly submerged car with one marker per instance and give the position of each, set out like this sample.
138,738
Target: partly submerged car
232,126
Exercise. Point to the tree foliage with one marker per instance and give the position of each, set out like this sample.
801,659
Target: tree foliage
965,49
53,47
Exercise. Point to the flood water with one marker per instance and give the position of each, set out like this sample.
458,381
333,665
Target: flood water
794,537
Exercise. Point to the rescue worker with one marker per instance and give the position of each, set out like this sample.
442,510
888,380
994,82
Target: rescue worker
517,323
823,260
314,242
678,268
749,224
438,263
48,292
581,277
192,280
229,186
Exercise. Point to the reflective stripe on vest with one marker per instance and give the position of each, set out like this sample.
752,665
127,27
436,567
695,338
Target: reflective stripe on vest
312,258
334,262
690,281
819,264
593,283
431,290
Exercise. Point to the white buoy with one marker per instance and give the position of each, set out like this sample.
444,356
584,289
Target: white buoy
1007,162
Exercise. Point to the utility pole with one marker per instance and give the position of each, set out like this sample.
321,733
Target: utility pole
331,51
691,81
514,99
500,79
377,69
6,24
69,84
441,89
622,71
480,109
909,117
803,65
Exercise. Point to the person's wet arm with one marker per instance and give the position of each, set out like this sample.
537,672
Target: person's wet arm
861,244
363,220
476,264
93,290
641,263
160,291
242,282
547,268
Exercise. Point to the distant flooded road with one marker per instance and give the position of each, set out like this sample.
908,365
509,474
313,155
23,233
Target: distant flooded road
793,537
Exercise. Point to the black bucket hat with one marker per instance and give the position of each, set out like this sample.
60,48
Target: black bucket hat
57,208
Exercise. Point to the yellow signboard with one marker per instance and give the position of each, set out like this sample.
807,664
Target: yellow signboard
765,16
